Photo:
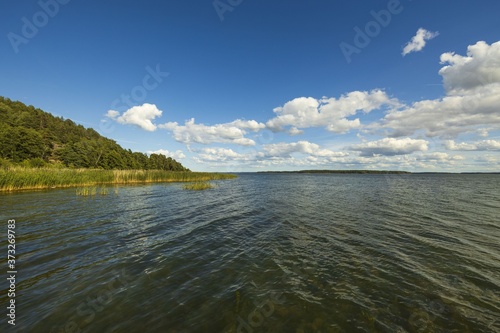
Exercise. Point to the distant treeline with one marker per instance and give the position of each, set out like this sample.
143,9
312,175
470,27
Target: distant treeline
342,171
33,138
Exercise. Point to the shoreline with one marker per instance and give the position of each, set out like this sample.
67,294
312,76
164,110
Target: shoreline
30,179
377,172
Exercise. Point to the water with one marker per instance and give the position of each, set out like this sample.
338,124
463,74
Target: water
262,253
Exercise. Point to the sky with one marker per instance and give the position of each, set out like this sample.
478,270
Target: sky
240,85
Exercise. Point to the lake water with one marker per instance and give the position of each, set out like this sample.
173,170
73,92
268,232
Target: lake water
261,253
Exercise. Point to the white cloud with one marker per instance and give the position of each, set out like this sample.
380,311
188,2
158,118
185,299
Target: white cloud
330,113
112,114
483,145
279,159
391,147
439,157
295,131
448,116
251,125
479,68
233,132
305,147
471,104
141,116
417,43
300,153
472,101
176,155
222,155
307,155
491,160
483,132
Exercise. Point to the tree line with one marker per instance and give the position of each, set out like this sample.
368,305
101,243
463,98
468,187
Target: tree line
32,137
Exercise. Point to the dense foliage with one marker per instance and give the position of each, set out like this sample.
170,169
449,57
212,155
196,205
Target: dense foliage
35,138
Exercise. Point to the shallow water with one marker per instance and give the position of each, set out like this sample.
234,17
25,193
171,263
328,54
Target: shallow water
262,253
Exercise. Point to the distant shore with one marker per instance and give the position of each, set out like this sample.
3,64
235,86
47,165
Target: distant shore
342,171
384,172
18,178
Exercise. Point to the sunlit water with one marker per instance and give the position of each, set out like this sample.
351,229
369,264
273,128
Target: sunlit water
262,253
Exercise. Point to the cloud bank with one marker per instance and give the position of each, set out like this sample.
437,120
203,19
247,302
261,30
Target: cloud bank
233,132
329,113
471,103
391,147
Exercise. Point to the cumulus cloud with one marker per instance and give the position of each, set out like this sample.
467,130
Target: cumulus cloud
480,67
295,131
439,157
417,43
176,155
448,116
471,104
483,145
472,100
281,155
491,160
390,147
301,153
304,155
141,116
330,113
233,132
305,147
223,155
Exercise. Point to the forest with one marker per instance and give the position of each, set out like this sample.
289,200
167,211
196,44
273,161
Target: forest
31,137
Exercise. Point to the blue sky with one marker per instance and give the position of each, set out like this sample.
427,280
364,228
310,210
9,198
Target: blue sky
271,85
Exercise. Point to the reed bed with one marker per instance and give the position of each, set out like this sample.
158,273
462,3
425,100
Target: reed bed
19,178
93,191
198,186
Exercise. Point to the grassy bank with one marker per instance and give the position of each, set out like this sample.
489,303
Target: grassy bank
18,178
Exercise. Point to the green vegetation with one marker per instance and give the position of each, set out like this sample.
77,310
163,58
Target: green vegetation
39,150
198,186
93,190
19,178
30,137
86,191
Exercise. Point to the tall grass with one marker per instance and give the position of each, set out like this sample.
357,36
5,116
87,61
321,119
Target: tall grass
86,191
93,190
198,186
19,178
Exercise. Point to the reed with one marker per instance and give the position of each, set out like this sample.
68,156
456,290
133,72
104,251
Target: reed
198,186
19,178
86,191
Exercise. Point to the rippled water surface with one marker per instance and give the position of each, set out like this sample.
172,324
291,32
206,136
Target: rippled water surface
262,253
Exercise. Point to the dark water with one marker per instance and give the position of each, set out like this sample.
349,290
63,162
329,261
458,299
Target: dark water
262,253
